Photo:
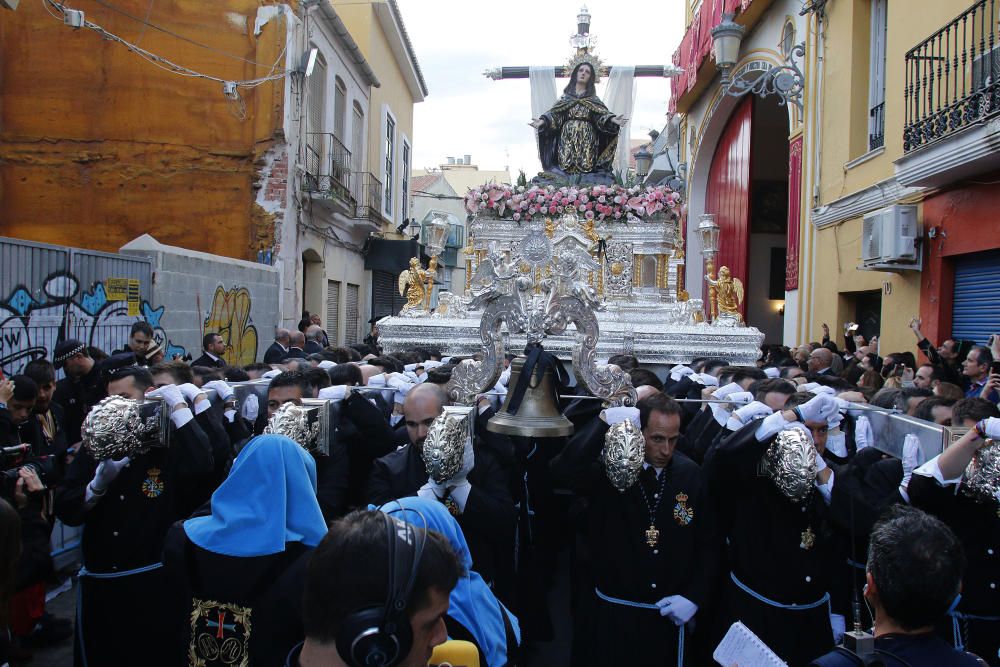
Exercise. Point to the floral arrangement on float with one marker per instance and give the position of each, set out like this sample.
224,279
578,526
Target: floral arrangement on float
607,203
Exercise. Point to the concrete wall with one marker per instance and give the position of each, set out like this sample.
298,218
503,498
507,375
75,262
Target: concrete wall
204,293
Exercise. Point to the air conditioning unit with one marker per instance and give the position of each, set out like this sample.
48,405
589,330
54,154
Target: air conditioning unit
889,239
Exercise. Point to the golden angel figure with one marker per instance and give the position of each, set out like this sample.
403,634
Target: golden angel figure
728,294
413,285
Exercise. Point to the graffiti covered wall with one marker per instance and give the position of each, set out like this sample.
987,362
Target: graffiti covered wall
205,293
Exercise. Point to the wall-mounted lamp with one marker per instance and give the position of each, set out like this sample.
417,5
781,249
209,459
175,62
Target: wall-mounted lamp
784,81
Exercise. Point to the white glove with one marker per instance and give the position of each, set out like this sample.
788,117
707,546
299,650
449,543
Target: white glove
913,457
250,408
411,367
677,608
809,386
863,434
990,426
107,471
740,398
377,380
772,372
468,463
505,377
272,374
170,394
326,364
612,416
752,410
822,389
834,420
836,442
445,360
337,392
818,409
723,392
399,383
770,426
430,363
705,379
221,388
680,371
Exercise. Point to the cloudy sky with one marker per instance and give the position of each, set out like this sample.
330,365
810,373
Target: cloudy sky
466,113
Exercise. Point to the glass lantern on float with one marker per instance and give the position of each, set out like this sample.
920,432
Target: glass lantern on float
708,228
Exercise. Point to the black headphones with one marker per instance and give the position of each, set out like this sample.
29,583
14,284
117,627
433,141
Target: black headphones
381,636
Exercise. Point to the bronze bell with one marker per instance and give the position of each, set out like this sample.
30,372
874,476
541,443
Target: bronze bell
538,415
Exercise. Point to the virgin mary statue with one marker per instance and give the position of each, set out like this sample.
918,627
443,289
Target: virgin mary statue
578,136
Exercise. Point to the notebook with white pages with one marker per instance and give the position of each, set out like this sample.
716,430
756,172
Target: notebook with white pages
742,647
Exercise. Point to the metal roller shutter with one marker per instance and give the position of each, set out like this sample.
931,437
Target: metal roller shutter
332,310
976,308
385,294
351,315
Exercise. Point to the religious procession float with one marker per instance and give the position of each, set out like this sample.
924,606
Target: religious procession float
576,257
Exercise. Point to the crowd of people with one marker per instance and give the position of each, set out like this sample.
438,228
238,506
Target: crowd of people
764,497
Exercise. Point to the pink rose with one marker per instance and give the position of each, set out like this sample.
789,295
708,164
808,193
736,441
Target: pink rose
517,216
618,214
582,208
583,199
552,209
589,215
602,199
590,206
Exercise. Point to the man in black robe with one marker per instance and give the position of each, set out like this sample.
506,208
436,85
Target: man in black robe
777,544
126,508
481,500
941,487
654,547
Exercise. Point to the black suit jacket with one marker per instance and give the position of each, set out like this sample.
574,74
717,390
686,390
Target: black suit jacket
488,520
274,354
205,360
312,347
295,353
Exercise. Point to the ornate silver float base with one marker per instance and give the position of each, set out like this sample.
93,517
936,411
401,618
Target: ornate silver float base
654,343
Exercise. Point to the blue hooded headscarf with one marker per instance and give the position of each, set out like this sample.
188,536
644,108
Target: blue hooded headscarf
268,499
472,603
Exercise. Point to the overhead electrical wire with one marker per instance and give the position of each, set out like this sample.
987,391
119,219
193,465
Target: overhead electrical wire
230,86
146,23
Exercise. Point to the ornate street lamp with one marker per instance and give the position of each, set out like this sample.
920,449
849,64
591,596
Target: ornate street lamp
643,162
726,38
437,234
784,81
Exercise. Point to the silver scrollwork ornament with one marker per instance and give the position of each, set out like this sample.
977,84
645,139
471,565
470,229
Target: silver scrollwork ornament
981,480
790,462
444,447
115,428
623,454
293,422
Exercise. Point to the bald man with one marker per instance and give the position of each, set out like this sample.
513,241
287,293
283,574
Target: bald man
479,497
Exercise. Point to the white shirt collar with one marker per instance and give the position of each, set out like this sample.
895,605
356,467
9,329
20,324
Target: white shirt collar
647,466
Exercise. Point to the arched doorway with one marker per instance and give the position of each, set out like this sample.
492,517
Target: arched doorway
747,190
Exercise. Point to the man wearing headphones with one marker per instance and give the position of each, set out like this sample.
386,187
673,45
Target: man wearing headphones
913,578
356,616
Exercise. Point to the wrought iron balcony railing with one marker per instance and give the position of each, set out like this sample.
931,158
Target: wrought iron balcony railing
328,165
876,127
367,193
953,77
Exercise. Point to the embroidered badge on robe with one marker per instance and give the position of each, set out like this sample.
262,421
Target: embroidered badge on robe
152,486
808,539
683,514
220,635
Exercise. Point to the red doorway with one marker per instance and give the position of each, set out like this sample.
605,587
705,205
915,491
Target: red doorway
728,192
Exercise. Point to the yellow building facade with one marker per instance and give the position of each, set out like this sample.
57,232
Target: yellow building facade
873,86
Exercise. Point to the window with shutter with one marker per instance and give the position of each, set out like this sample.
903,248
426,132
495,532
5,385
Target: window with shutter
876,75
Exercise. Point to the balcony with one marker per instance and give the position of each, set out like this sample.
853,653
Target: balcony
366,191
328,166
952,98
